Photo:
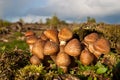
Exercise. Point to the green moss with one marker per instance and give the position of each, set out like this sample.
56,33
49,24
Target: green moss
30,72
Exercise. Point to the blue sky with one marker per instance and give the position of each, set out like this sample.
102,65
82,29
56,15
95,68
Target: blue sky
69,10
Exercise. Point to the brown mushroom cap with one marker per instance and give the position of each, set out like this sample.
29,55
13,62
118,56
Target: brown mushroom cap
63,61
91,38
31,40
86,57
65,34
102,45
35,60
43,37
51,48
29,33
38,48
73,47
52,34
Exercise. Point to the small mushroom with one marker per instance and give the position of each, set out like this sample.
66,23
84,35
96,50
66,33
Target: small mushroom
101,46
89,41
91,38
29,33
30,41
52,34
63,60
64,35
86,57
35,60
51,48
38,48
43,37
73,48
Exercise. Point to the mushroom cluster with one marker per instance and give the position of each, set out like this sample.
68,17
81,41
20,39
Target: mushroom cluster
61,46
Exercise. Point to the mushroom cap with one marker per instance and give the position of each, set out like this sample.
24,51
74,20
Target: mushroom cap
63,59
97,54
91,38
73,47
38,48
65,34
43,37
35,60
86,57
29,33
31,39
102,45
51,48
52,34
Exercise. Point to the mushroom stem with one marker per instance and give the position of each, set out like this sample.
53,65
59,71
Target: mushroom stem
62,42
30,47
64,68
53,57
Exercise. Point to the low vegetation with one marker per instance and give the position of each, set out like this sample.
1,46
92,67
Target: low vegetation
15,57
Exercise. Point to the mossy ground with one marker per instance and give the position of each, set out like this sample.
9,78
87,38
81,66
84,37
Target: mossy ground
15,55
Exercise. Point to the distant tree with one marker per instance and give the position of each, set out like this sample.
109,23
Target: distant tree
63,22
48,21
21,21
4,23
54,21
91,20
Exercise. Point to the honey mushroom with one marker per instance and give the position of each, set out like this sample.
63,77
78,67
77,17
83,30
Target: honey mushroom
29,33
64,35
73,48
52,35
60,52
101,46
63,59
38,48
51,48
43,37
86,57
30,39
35,60
89,41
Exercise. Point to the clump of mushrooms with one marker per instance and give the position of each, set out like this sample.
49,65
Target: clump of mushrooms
61,46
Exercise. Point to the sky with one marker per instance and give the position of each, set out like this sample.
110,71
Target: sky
70,10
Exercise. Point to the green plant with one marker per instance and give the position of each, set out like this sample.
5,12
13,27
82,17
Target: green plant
15,44
30,72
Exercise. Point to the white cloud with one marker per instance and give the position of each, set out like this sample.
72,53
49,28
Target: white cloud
30,18
82,8
65,9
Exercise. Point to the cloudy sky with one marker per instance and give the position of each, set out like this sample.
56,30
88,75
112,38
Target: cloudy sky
70,10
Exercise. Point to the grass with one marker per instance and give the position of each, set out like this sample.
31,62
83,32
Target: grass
10,46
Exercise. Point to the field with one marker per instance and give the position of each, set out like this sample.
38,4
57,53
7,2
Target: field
15,55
